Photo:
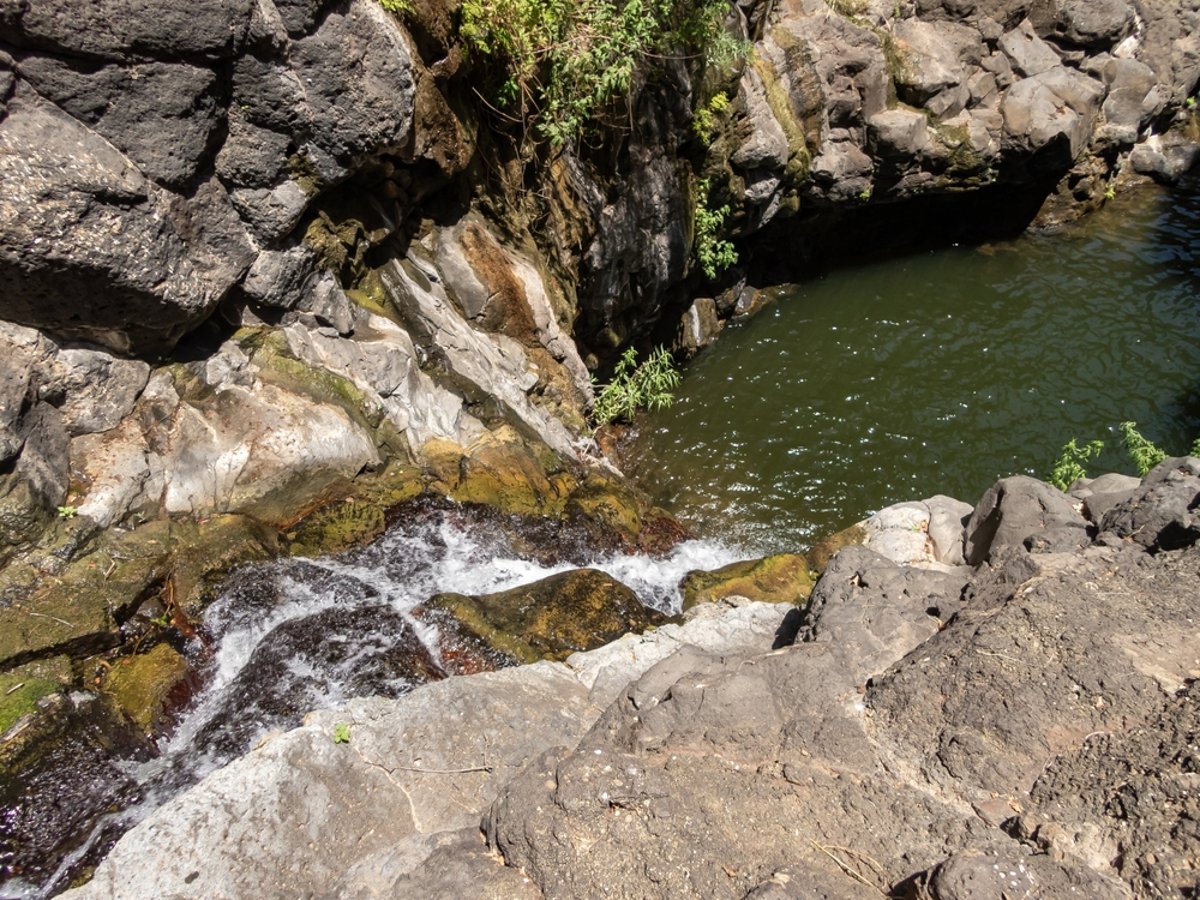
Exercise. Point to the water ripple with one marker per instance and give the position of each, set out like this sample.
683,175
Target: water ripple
936,374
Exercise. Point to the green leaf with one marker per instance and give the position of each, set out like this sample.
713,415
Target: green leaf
1145,455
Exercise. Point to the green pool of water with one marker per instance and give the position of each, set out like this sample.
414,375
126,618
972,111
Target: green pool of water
935,373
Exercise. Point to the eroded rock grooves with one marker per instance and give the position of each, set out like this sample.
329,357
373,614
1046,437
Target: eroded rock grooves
262,258
1026,726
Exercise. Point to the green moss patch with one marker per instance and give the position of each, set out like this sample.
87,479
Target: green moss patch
22,688
782,578
552,618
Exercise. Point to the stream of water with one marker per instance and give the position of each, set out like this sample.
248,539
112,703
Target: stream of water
300,634
936,373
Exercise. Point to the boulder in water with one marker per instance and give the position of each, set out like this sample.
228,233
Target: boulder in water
782,578
552,618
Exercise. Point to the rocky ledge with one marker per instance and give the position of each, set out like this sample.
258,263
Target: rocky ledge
1025,725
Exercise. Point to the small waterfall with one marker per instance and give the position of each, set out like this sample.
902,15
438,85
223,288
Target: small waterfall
298,634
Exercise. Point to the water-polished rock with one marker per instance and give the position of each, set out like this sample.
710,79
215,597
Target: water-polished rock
552,618
782,578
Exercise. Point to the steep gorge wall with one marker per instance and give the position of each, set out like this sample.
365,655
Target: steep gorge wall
250,250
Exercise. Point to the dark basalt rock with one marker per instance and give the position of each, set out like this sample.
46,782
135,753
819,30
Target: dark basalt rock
1164,513
1020,509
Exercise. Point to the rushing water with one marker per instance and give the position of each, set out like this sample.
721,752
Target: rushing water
299,634
936,373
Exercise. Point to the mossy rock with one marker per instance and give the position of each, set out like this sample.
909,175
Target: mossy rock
358,517
204,553
279,367
550,619
23,515
611,504
782,578
370,294
23,687
78,611
141,685
503,471
823,550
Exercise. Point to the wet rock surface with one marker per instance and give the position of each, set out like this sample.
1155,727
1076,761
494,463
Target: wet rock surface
552,618
783,578
1024,725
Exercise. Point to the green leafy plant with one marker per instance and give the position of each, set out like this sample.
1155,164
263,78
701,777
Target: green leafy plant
67,512
1069,467
704,120
566,62
713,253
341,733
1145,455
399,7
1142,452
634,386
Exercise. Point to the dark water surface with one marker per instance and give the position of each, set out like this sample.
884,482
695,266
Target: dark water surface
936,373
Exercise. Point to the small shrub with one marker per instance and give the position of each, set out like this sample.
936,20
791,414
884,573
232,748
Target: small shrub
635,386
704,121
341,733
1144,454
67,512
398,7
566,62
713,253
1069,467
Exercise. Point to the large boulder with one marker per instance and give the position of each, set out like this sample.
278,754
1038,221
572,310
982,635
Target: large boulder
1164,512
163,116
91,250
1022,511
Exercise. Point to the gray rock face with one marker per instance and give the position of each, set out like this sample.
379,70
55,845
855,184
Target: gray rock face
1093,24
872,612
115,29
1018,509
280,277
1164,512
69,204
358,84
415,773
94,390
164,117
1030,55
